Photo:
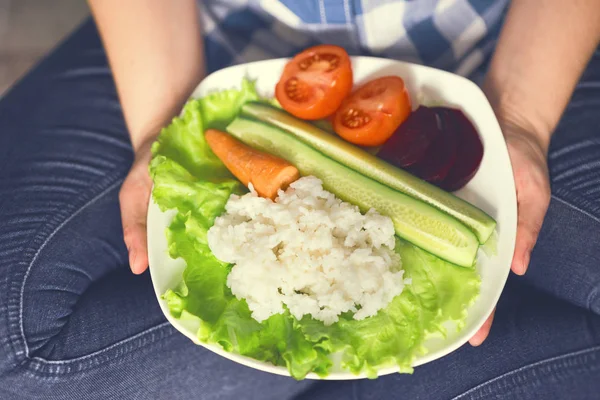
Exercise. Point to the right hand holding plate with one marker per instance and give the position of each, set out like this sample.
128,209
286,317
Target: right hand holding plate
528,156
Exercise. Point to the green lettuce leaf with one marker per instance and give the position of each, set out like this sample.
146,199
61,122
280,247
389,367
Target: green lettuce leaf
439,292
190,179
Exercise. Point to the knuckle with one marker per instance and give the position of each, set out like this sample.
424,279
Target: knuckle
135,186
535,229
139,182
123,192
545,195
129,233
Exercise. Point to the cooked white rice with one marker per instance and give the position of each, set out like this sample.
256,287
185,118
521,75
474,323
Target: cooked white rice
308,250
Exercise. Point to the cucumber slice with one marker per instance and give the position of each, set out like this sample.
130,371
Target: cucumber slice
414,220
369,165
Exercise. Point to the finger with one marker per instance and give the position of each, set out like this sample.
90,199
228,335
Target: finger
531,217
134,197
135,239
483,332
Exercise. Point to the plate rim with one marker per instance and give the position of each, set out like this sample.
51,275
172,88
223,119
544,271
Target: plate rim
342,375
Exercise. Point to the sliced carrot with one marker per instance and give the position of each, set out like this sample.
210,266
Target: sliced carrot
266,172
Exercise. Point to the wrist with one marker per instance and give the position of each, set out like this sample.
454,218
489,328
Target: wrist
516,114
515,123
142,150
141,143
147,115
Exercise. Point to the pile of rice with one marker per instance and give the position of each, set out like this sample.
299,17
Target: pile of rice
308,250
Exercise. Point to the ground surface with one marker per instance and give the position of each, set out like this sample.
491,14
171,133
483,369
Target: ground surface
31,28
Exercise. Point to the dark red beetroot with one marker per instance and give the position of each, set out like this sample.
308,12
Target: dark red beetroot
412,139
469,151
436,163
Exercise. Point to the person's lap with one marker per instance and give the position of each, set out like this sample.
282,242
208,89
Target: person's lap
79,324
566,260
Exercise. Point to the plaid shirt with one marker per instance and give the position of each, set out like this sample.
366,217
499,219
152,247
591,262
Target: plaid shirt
455,35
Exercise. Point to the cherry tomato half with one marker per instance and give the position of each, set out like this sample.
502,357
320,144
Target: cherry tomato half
371,114
315,82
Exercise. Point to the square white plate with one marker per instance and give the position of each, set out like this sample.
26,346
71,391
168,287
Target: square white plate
492,189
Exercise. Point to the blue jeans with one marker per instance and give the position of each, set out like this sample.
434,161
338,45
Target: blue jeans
76,324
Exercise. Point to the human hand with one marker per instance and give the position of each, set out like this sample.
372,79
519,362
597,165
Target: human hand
134,197
528,156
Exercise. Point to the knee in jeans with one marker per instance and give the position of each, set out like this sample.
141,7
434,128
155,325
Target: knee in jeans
58,264
594,301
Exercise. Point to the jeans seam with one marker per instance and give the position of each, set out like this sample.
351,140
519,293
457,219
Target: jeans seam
117,352
593,296
43,245
563,363
17,338
593,299
576,208
98,352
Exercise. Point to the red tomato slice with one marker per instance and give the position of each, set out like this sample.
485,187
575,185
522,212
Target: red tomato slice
315,82
370,115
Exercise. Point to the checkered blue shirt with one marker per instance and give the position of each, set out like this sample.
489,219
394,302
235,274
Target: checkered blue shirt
455,35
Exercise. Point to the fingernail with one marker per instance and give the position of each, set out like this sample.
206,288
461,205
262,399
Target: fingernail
525,263
132,257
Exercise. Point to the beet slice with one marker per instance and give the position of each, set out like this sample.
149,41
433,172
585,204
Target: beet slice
440,157
412,139
469,151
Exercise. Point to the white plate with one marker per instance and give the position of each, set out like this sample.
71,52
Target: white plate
492,189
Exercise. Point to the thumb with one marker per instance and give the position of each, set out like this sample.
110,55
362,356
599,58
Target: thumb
483,332
134,197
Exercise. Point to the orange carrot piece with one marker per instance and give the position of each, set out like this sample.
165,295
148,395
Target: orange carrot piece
267,172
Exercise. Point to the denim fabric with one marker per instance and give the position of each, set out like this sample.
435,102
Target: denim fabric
76,324
566,261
